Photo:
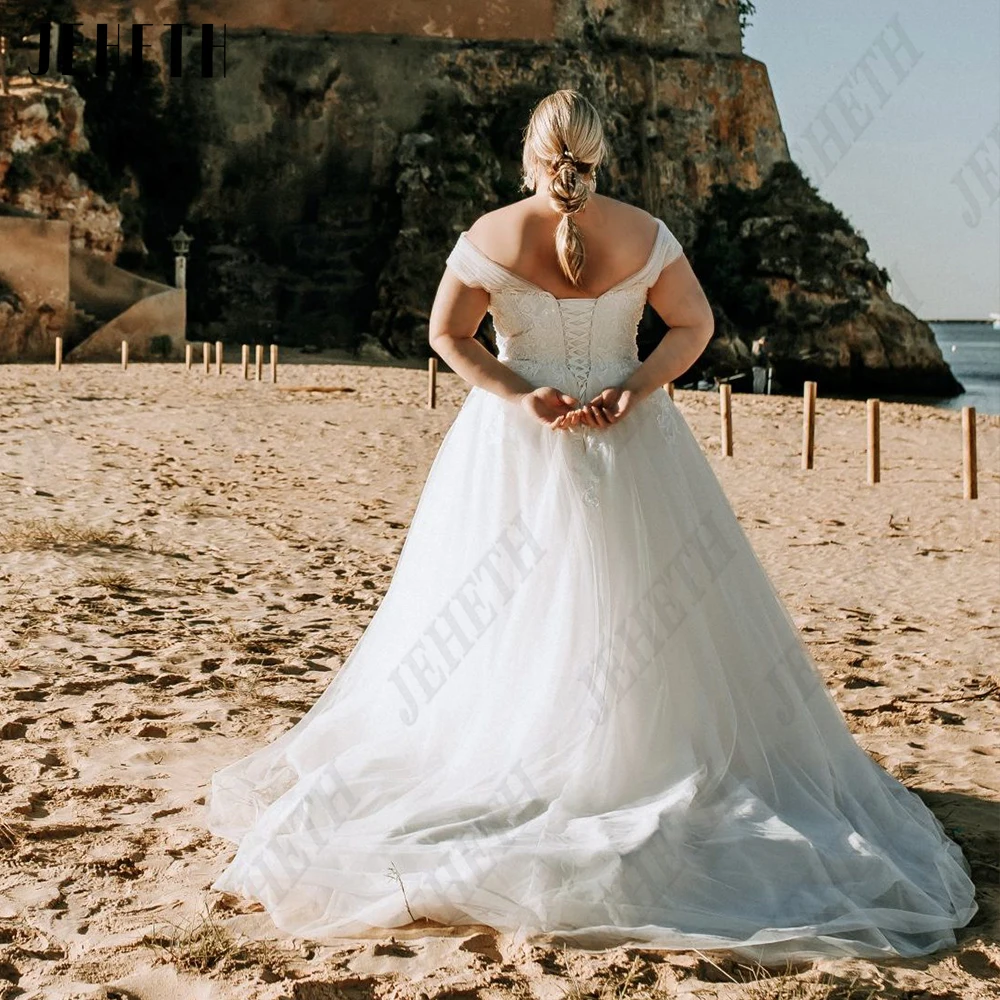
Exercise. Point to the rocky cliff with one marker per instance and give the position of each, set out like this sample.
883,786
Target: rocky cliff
43,146
780,260
327,175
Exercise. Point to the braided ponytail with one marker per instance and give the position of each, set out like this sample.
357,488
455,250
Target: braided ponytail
565,141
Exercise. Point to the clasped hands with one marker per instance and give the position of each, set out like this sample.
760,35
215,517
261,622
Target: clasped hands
560,411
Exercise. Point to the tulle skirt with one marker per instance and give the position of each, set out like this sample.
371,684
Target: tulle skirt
582,714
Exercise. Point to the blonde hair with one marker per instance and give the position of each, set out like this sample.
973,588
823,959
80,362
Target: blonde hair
564,143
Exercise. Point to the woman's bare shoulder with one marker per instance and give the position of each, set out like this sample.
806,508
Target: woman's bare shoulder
613,212
624,211
499,219
627,227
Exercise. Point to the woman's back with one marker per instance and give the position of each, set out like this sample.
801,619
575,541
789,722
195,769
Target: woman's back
521,237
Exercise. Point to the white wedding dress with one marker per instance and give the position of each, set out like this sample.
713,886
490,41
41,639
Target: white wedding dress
581,712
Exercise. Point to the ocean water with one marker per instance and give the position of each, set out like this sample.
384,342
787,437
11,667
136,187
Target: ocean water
973,352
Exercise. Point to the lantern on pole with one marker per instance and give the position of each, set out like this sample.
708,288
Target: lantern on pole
181,242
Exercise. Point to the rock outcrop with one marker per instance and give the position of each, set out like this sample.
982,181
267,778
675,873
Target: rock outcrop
346,148
779,261
42,143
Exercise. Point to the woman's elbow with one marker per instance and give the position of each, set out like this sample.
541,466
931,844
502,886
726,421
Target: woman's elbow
708,325
439,339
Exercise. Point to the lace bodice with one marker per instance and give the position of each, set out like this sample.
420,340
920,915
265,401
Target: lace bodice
578,345
585,339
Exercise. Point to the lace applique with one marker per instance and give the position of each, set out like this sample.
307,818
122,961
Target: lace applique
584,462
638,307
529,369
667,415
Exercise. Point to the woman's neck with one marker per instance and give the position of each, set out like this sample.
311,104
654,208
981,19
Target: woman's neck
541,198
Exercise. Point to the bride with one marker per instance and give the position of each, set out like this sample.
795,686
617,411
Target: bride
581,713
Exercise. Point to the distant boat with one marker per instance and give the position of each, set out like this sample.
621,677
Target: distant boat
996,320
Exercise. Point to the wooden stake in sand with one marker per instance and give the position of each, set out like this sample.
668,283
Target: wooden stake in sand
670,389
726,415
258,357
274,362
124,355
245,361
969,458
432,370
808,423
874,450
58,354
218,357
206,356
187,356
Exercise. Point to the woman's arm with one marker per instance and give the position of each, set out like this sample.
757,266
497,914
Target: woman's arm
455,317
679,300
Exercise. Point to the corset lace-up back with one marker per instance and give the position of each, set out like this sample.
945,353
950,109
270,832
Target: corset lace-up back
572,342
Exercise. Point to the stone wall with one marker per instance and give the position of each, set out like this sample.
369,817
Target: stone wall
34,286
685,25
34,258
154,328
45,284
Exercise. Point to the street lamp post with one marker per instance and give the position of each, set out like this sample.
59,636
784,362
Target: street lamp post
181,242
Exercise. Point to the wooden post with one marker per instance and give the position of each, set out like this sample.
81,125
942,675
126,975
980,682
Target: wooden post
59,343
874,450
259,361
670,389
124,355
726,414
245,360
808,423
274,362
187,356
432,369
969,457
218,357
206,356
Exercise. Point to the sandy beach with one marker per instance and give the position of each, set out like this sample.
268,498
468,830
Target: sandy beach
187,559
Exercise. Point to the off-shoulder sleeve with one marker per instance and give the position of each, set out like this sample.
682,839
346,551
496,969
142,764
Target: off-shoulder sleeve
668,250
464,262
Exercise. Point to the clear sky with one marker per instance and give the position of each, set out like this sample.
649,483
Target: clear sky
893,111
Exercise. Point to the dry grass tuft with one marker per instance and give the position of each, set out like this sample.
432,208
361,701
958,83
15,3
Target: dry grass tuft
109,580
204,945
75,535
36,533
317,388
193,508
631,985
246,688
9,662
761,983
10,836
